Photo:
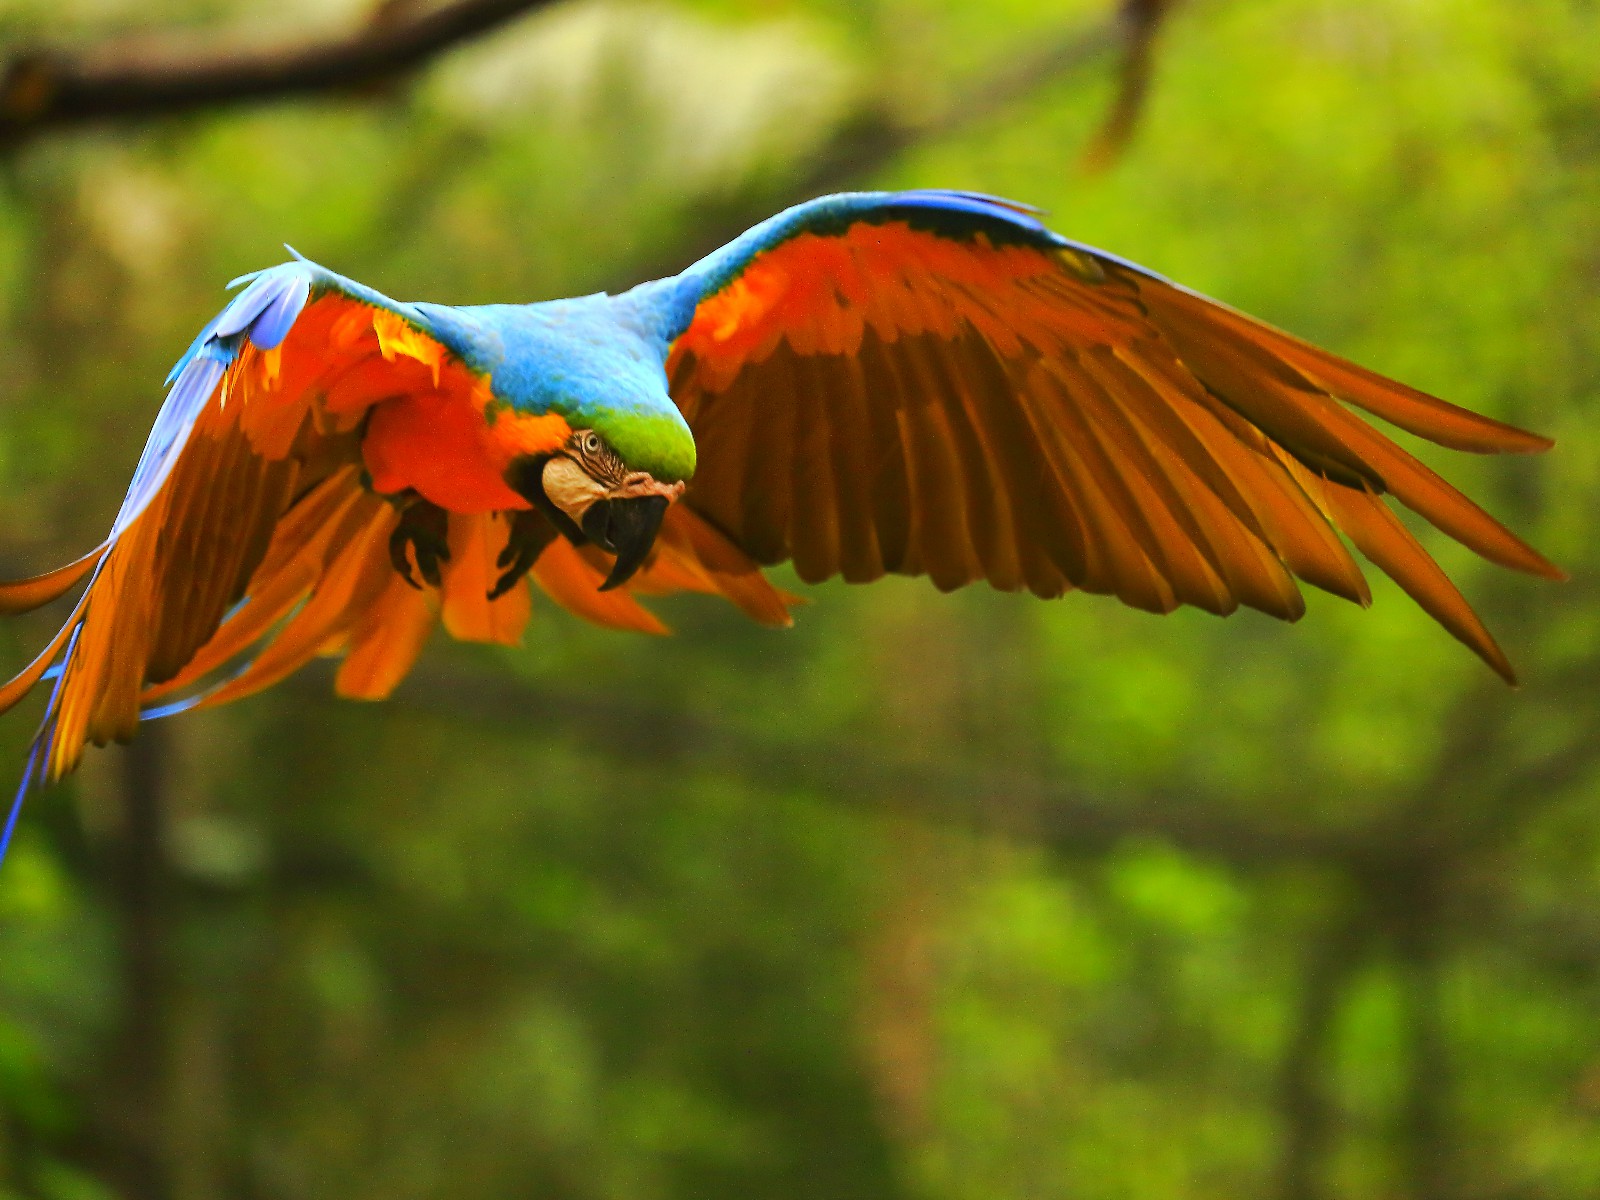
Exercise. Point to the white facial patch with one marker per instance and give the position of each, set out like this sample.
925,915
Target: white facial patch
570,487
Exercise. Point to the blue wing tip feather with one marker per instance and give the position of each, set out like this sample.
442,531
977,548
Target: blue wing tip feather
38,769
247,277
28,774
263,312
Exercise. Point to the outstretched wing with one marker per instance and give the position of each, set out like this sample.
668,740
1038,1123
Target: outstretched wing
254,457
254,535
934,383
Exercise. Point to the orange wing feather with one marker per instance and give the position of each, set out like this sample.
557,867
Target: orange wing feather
881,397
266,543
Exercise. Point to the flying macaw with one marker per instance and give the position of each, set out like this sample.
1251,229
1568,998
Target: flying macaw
918,382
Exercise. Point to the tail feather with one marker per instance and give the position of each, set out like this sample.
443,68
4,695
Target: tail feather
476,540
386,640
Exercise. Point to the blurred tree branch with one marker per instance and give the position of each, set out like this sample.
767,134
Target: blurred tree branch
133,1115
1142,21
1307,1112
48,88
1429,1155
876,137
51,88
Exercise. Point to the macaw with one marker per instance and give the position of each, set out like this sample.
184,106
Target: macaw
918,382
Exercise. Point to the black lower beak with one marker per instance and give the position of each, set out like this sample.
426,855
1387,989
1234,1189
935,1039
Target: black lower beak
627,528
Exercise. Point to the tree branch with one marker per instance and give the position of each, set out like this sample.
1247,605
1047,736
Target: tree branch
133,1113
876,137
42,89
1428,1152
1142,21
1308,1119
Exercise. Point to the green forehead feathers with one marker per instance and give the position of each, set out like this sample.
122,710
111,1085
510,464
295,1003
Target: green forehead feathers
658,443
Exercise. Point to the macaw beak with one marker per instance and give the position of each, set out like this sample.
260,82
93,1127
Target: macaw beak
625,526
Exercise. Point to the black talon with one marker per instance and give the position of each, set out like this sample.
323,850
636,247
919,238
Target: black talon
425,528
397,555
530,534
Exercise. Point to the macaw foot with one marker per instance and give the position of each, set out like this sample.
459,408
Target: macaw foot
425,528
530,534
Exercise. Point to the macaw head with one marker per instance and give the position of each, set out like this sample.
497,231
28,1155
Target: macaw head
591,494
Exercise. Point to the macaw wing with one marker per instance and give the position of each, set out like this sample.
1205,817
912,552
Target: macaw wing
256,534
934,383
246,514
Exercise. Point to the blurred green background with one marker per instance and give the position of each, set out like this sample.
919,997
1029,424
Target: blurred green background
963,897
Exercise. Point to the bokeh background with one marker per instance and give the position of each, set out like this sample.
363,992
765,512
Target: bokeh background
964,897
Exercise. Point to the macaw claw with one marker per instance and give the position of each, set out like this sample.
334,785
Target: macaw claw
425,528
530,534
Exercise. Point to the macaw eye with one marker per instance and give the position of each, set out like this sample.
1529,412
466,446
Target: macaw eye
591,443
